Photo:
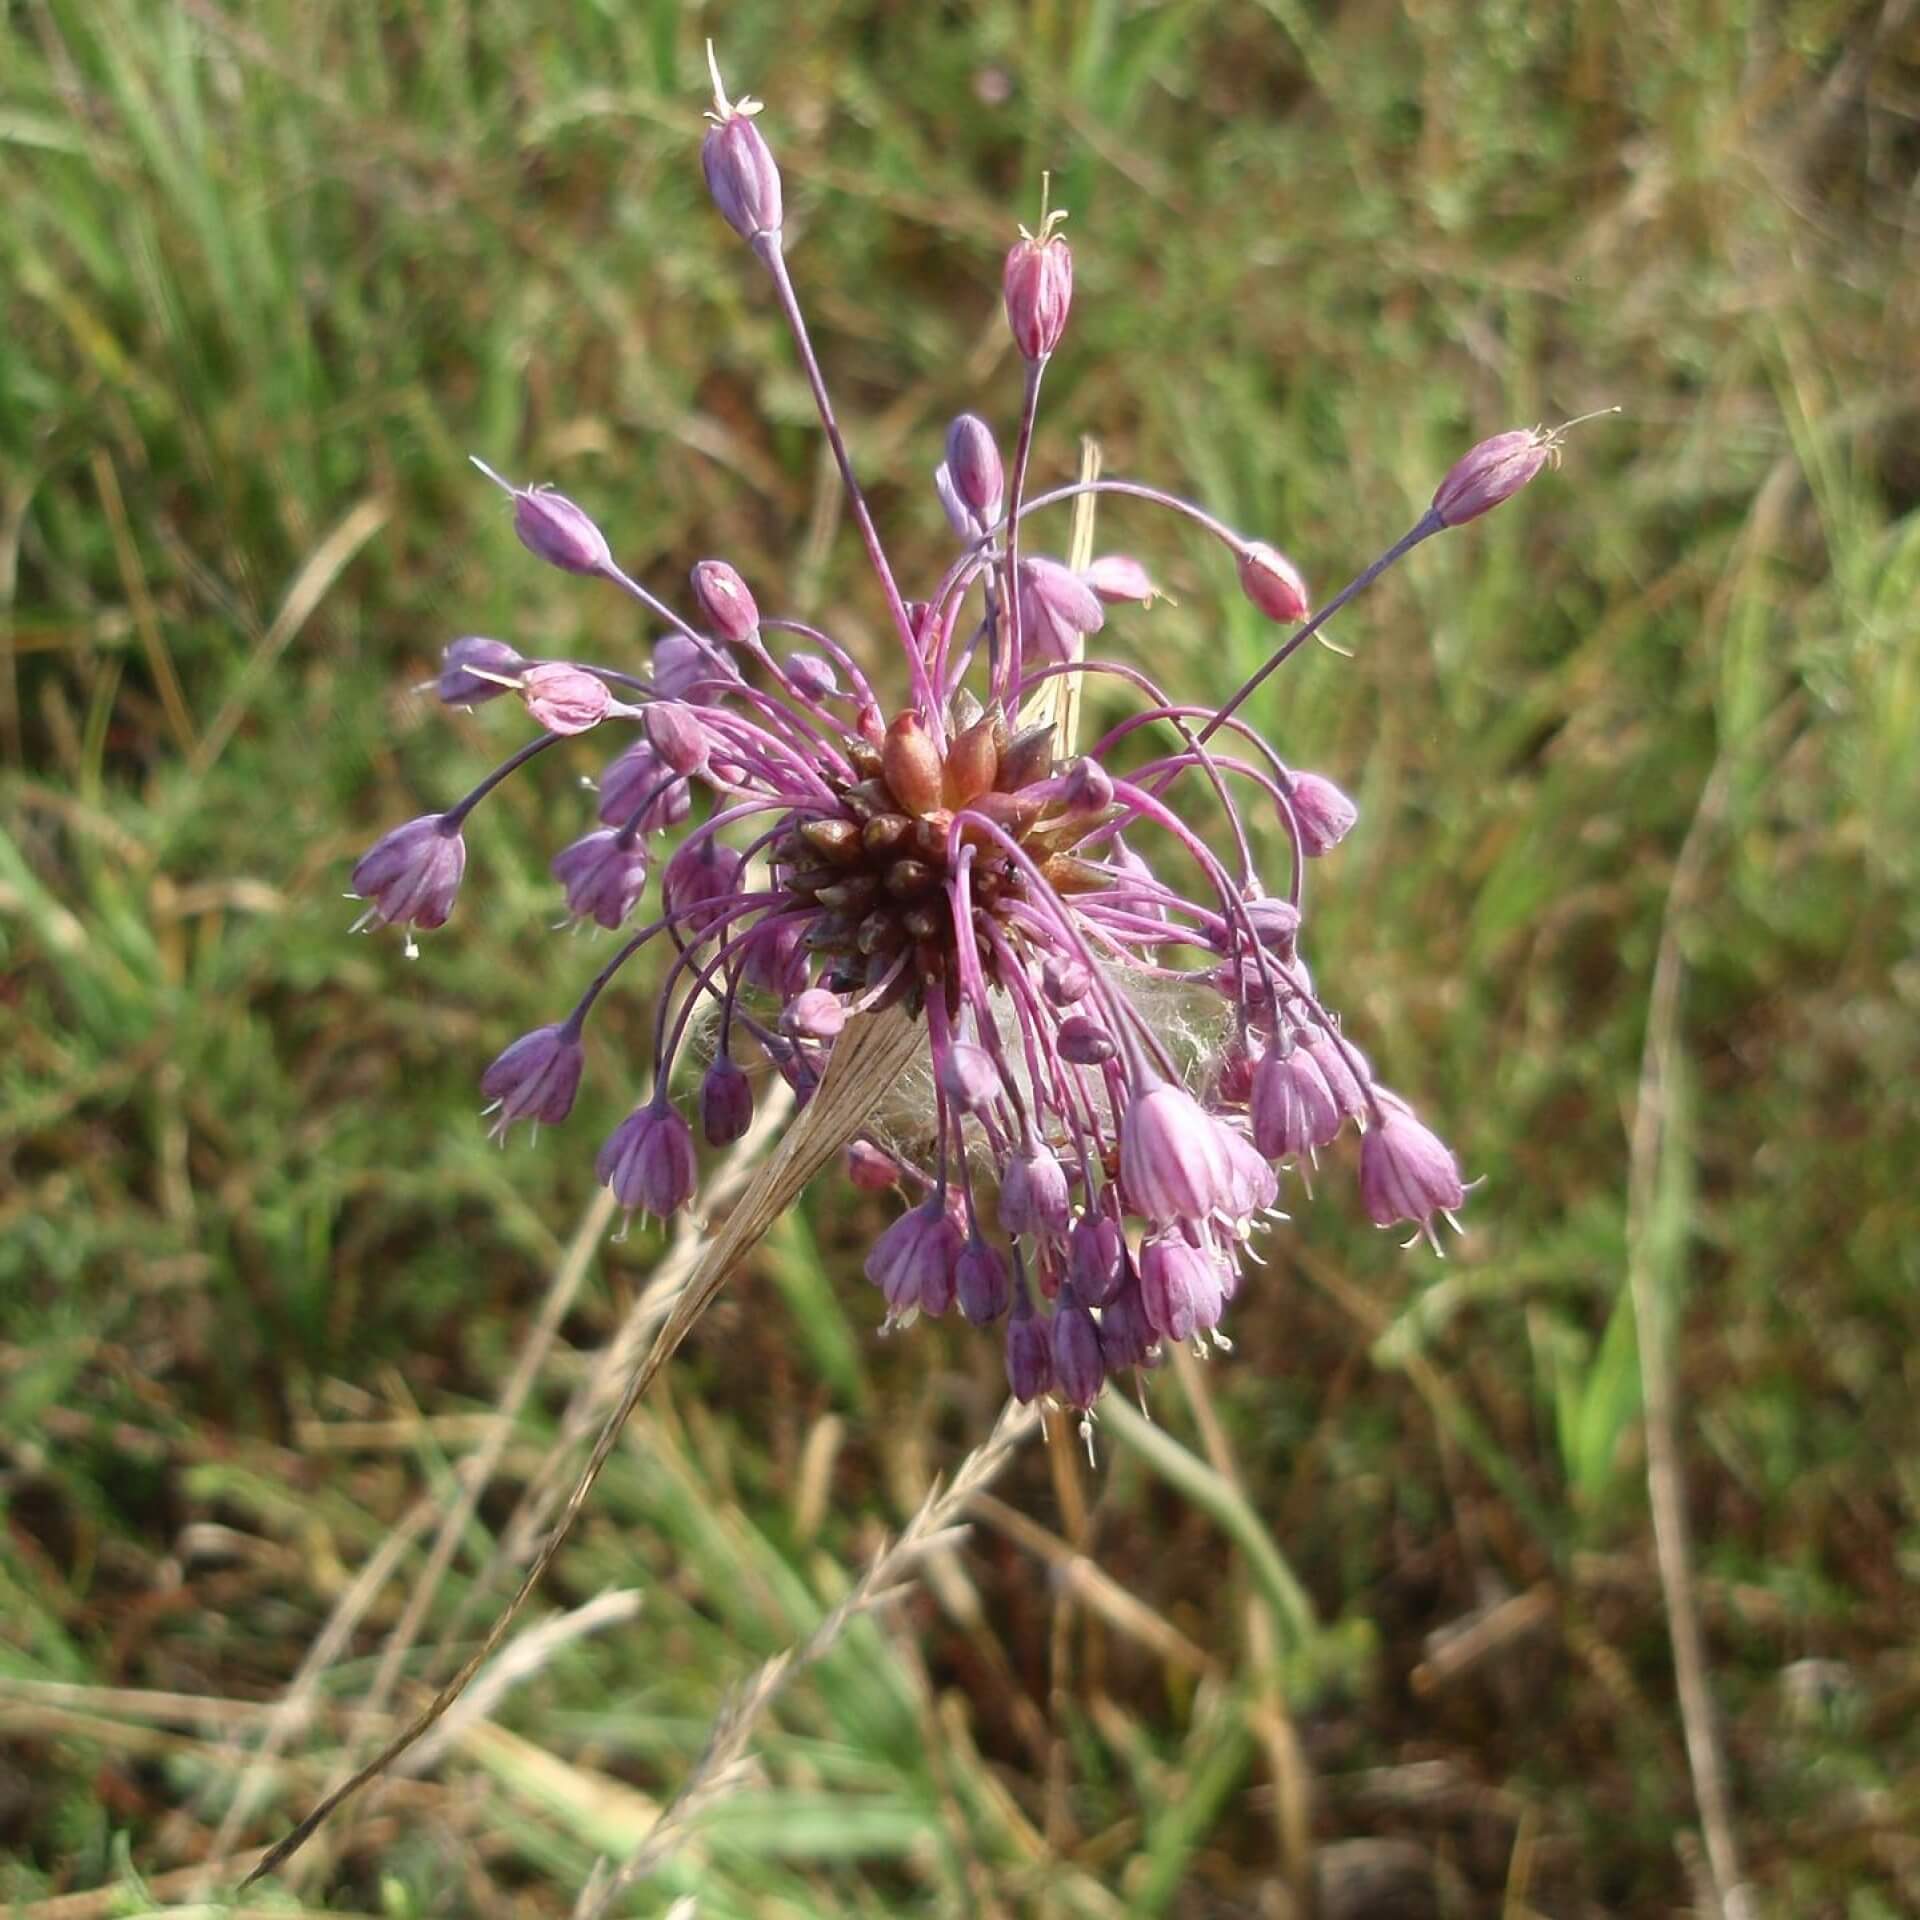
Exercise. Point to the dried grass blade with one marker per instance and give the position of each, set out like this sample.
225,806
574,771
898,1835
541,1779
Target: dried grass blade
867,1061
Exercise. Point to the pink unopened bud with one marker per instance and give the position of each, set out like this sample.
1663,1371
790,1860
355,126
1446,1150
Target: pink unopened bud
564,698
1087,786
915,1257
1294,1112
1493,471
1173,1159
1065,979
697,881
813,1015
973,467
1033,1192
740,171
1097,1258
1038,285
1078,1371
1325,814
1273,583
1029,1351
871,1170
725,601
676,735
1119,577
969,1078
982,1282
1057,608
1084,1042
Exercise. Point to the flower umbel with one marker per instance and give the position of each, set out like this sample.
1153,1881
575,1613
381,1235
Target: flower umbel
1122,1041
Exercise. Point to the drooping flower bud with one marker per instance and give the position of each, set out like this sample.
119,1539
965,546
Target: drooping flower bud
1078,1371
697,881
1029,1351
982,1282
911,763
1406,1172
639,781
724,600
813,1015
1275,923
969,1078
564,698
1293,1109
603,875
1344,1068
740,171
1033,1192
1097,1258
474,670
1127,1337
1084,1042
1179,1286
1273,583
648,1160
1493,472
1252,1187
726,1101
869,1169
1056,608
1038,287
973,467
534,1079
1119,578
1173,1162
411,876
1325,814
681,664
774,958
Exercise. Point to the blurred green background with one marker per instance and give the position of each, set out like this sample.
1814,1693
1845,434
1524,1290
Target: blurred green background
271,272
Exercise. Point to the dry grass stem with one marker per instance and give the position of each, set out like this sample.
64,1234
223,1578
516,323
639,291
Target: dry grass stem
933,1526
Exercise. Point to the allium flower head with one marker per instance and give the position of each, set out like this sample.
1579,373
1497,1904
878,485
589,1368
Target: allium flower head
1121,1043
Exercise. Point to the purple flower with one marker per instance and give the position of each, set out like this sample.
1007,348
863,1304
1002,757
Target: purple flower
1293,1109
648,1160
1325,814
1033,1192
1173,1156
412,874
739,166
1488,475
534,1079
604,874
973,470
1057,608
1078,1370
1038,285
640,783
1273,583
920,1247
1029,1351
726,1102
983,1282
729,608
1121,1037
475,670
1406,1172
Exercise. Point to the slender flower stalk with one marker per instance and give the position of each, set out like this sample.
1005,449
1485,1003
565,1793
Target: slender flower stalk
1123,1044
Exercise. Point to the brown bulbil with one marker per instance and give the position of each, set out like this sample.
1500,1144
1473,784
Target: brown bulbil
839,840
973,763
1028,757
911,763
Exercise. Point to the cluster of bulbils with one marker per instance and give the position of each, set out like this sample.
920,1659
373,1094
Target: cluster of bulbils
1038,909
